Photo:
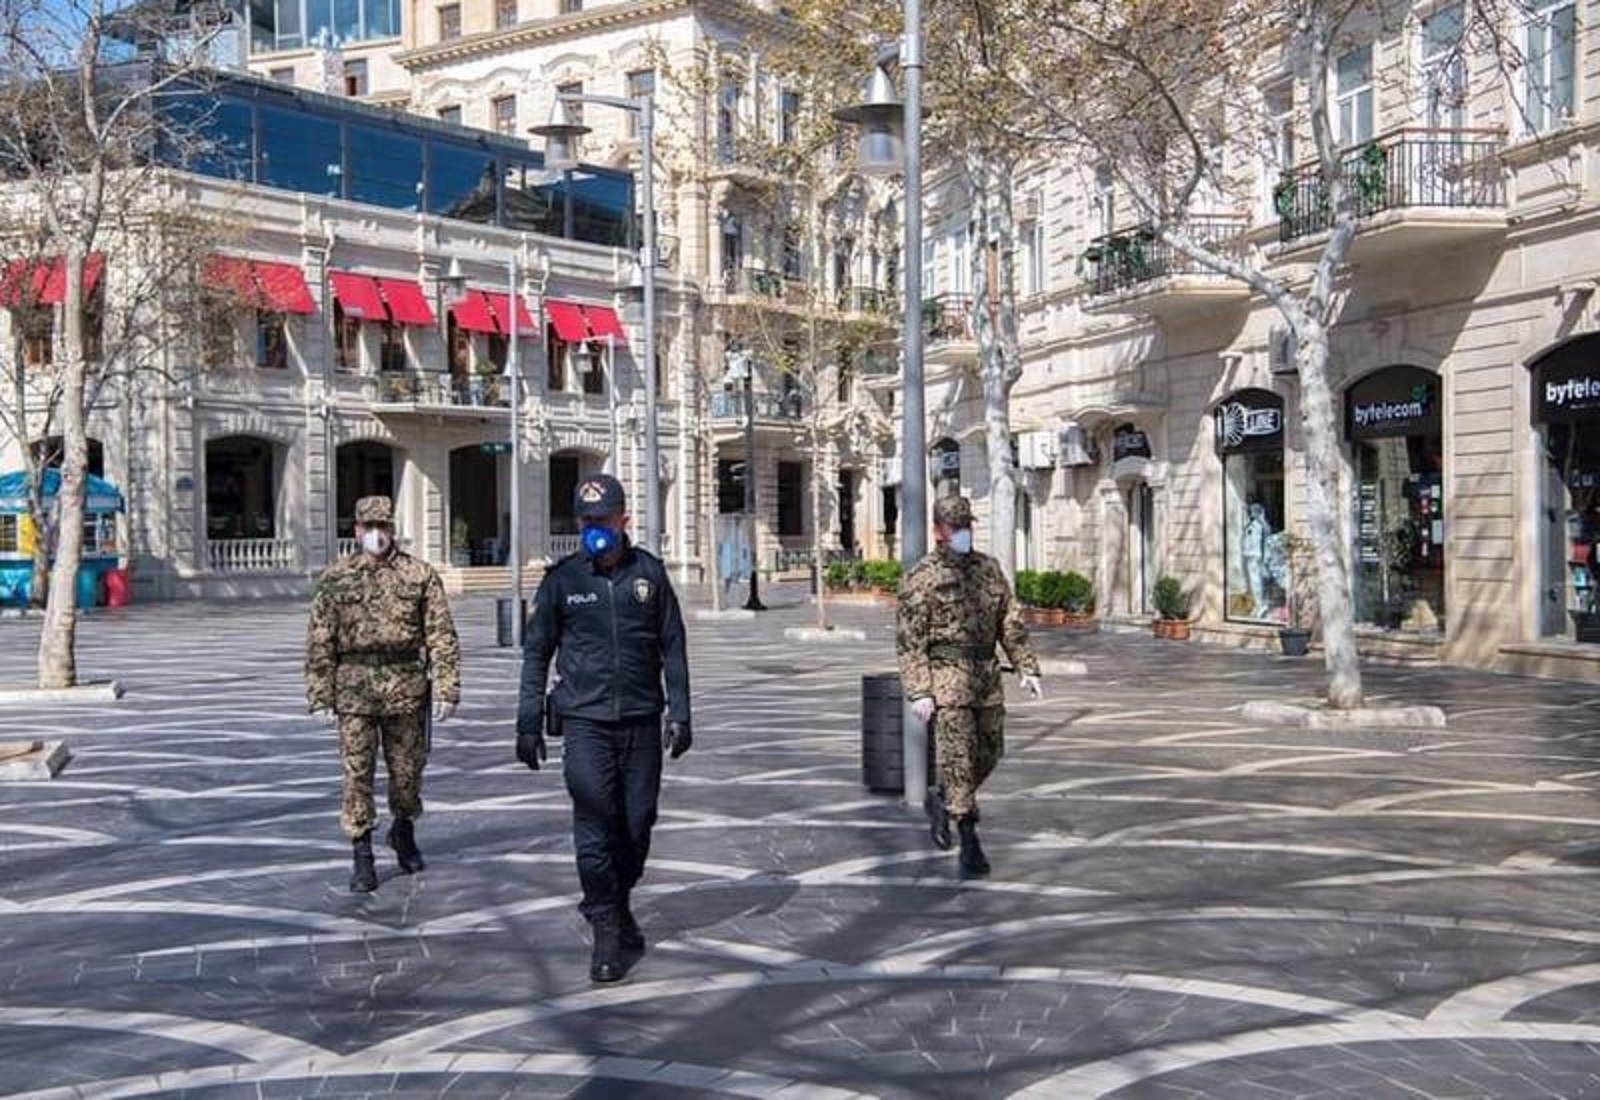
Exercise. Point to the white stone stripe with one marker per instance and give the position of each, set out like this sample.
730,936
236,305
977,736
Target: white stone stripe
251,1043
1497,999
1105,1077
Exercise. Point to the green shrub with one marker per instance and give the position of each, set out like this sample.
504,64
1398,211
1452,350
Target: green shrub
881,573
1050,589
841,574
1170,601
1078,594
1028,588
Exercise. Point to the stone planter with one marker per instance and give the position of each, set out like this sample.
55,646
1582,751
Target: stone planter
1176,630
1044,616
1081,622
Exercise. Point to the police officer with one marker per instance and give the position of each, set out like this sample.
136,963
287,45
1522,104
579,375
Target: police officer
955,607
379,620
609,617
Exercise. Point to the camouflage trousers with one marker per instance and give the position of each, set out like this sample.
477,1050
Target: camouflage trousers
968,743
404,754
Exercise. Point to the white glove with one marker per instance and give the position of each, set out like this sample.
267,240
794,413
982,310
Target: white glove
1034,685
443,711
923,708
326,715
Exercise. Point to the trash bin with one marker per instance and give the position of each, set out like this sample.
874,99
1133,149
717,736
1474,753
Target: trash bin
882,748
88,584
118,590
503,628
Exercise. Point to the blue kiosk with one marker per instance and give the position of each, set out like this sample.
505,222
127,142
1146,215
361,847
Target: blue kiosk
17,536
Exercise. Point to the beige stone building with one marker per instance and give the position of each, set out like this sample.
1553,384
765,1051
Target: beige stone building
1158,418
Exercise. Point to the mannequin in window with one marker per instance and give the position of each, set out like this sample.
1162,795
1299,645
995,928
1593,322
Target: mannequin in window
1253,554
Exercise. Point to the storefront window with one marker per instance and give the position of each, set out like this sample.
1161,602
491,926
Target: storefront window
1566,411
1249,427
1393,422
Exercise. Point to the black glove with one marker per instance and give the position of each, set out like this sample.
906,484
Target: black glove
530,744
678,739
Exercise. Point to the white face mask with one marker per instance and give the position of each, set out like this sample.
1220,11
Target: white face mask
961,541
376,542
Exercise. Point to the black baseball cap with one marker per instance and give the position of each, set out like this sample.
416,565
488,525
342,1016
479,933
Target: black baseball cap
599,495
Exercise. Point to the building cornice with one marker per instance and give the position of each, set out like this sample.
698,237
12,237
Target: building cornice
563,27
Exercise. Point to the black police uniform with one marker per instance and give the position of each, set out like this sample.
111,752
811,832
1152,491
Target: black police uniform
615,635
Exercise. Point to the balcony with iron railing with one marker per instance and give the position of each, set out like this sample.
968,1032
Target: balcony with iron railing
864,301
1431,185
411,391
1136,268
949,335
780,407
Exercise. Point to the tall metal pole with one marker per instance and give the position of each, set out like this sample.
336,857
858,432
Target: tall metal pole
514,369
753,603
913,444
652,452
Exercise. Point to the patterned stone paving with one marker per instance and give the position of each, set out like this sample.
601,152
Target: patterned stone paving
1183,905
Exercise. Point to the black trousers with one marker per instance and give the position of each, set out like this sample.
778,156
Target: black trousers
613,773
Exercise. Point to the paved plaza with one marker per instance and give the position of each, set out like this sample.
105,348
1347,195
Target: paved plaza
1183,905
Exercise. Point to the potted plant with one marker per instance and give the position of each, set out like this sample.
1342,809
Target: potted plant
1077,599
1172,610
460,544
1027,590
1294,637
882,577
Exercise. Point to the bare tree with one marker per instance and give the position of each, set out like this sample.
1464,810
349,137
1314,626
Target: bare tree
86,146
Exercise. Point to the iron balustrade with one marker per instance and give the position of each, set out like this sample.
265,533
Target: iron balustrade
947,317
1405,168
768,406
755,281
1119,261
864,299
469,391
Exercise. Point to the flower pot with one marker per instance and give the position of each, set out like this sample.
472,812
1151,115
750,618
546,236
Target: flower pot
1176,630
1294,641
1082,622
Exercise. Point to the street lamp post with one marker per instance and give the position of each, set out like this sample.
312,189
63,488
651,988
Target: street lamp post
882,120
559,135
514,370
753,603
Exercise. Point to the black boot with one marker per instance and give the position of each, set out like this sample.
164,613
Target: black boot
973,863
403,839
364,879
938,819
606,963
628,932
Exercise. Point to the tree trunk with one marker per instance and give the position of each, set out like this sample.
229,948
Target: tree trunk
1322,516
58,666
990,178
818,438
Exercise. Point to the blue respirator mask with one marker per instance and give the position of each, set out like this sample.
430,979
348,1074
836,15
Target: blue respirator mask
600,541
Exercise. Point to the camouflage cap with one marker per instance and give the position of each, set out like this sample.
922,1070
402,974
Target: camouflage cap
953,512
599,495
375,510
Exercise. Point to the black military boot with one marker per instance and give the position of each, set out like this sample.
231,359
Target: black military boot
605,965
364,879
628,932
973,863
403,839
938,819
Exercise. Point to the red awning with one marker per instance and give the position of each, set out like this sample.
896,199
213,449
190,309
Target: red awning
603,322
283,287
358,296
473,313
499,305
232,275
44,282
407,304
567,319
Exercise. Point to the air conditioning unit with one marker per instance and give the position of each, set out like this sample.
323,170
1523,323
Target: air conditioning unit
1036,451
1074,446
889,471
1282,350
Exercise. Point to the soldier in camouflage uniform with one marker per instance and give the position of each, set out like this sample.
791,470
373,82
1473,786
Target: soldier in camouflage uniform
379,620
955,607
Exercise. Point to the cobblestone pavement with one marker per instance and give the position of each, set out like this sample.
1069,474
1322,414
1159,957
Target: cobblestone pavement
1183,905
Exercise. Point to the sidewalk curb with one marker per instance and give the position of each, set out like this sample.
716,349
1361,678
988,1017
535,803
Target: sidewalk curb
1270,713
1059,666
25,761
726,615
105,691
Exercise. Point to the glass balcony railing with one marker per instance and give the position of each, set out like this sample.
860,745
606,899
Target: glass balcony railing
1406,168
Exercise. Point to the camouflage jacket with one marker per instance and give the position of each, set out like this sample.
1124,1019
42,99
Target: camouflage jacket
376,625
954,610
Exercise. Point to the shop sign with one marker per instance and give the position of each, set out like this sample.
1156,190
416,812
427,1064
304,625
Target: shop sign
1399,401
1566,384
1129,442
1250,422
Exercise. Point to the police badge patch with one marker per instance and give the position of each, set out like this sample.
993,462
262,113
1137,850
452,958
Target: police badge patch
642,590
591,493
